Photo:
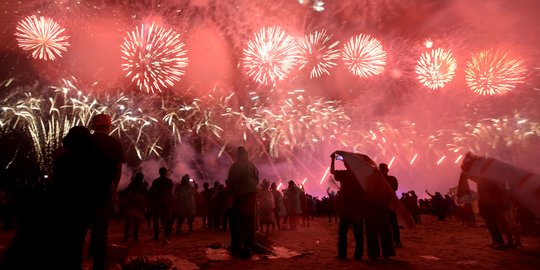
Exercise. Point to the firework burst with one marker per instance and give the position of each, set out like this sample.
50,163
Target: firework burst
493,72
319,53
43,36
270,56
364,56
436,68
154,57
506,137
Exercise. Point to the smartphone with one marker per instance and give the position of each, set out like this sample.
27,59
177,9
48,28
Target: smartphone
338,157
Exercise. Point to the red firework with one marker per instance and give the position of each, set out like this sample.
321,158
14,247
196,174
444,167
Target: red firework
43,36
154,57
364,56
270,56
493,72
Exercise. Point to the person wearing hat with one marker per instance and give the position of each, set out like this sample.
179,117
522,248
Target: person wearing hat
244,182
107,172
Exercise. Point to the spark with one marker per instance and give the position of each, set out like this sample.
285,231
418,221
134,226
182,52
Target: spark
458,159
319,53
492,72
304,181
414,158
43,36
270,56
364,56
441,160
324,175
154,57
436,68
391,162
428,43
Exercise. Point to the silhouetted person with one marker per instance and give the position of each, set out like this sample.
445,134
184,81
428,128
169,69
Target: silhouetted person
108,170
392,180
351,210
204,204
133,205
267,205
438,205
279,209
185,203
415,210
161,194
218,201
491,208
378,228
331,205
244,180
294,207
227,206
51,236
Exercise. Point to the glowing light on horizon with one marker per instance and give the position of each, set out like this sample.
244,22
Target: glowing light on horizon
324,175
270,56
154,57
364,56
436,68
43,36
318,53
492,72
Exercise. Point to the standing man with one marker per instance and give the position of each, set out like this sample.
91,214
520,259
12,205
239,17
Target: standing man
161,194
107,170
244,181
350,210
383,168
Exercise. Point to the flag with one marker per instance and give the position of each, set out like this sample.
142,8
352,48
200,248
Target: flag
373,182
523,186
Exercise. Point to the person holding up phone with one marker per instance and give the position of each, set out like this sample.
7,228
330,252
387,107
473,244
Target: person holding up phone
350,209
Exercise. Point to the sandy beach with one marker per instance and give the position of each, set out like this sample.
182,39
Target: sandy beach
430,245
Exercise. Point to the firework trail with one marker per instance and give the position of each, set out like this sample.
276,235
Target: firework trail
492,72
48,116
504,137
43,36
319,53
364,56
436,68
194,116
154,57
270,56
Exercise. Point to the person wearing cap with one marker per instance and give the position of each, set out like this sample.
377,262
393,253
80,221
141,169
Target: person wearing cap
244,182
107,172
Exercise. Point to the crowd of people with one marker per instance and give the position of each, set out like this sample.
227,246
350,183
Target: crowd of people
86,174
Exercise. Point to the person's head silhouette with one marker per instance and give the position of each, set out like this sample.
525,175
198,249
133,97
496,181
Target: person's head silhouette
101,123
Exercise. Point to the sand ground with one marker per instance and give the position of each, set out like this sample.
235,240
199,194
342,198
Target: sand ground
430,245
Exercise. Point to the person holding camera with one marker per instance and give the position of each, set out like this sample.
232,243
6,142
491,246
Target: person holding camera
350,209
